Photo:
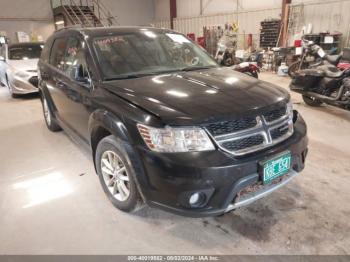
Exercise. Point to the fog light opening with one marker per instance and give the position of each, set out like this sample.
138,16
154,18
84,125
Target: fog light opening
196,199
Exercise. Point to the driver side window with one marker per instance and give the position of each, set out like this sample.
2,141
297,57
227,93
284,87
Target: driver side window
75,60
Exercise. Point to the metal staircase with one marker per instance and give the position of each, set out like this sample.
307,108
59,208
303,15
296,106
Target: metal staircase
85,13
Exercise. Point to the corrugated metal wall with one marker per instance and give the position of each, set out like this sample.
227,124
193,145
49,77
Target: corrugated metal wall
323,15
249,21
326,16
161,24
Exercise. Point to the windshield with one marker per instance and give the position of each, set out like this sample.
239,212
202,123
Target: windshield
148,52
25,52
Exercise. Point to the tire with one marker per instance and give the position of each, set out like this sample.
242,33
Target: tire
49,118
119,186
311,101
293,68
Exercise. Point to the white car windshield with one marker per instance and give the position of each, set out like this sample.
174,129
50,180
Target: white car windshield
24,52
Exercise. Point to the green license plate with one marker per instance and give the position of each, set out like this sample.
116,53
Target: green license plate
276,167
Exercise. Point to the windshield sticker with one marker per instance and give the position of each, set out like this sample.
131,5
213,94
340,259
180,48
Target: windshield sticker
178,38
110,40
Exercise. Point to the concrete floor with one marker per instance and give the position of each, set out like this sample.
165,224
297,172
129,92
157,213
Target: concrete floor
51,201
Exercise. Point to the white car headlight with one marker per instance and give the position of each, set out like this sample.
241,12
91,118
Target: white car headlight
22,74
173,140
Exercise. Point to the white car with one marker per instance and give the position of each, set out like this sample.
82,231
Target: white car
18,67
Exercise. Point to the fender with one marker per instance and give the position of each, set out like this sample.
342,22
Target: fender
109,121
43,91
114,125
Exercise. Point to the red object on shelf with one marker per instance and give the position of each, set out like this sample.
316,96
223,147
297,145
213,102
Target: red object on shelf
297,43
250,40
201,41
191,36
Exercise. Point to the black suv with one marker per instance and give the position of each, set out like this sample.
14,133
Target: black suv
165,124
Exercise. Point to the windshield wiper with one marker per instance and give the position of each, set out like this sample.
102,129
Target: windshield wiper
130,76
194,68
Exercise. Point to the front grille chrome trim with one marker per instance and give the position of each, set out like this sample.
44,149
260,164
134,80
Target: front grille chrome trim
263,128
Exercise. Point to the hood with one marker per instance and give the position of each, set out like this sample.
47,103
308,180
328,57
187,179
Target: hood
199,96
24,65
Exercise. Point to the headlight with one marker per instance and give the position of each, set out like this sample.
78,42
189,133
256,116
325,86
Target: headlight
290,109
174,140
21,74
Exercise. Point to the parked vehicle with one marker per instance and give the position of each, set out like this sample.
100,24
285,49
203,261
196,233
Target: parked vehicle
225,54
324,84
165,123
18,67
249,68
313,56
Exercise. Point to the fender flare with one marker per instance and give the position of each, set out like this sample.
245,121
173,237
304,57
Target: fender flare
109,121
114,125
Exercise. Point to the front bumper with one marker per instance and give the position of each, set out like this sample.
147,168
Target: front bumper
21,86
167,180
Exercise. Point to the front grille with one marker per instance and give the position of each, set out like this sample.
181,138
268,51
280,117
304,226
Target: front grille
279,131
243,143
226,127
34,81
250,134
275,114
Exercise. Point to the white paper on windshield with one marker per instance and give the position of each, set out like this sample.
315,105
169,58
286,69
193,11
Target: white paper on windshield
321,53
178,38
328,39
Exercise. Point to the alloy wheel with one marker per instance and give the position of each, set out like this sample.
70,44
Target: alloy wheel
115,175
47,113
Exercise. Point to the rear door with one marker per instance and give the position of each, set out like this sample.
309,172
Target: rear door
74,96
55,73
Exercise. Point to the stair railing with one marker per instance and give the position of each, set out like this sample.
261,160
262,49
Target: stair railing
88,22
72,12
104,14
100,11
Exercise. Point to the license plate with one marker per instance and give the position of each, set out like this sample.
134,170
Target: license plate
276,167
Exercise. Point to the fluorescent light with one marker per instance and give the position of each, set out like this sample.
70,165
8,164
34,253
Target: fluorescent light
61,22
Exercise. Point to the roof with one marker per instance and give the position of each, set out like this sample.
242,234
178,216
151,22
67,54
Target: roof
97,31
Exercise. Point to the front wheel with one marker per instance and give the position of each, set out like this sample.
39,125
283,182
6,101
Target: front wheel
294,67
311,101
116,175
50,120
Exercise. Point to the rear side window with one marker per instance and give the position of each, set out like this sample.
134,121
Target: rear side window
57,53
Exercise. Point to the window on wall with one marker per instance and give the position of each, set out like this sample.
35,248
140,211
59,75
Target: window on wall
57,53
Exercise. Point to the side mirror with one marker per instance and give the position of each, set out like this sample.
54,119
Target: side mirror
80,74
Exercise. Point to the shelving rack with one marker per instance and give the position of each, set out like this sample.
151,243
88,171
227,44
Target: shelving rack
269,33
